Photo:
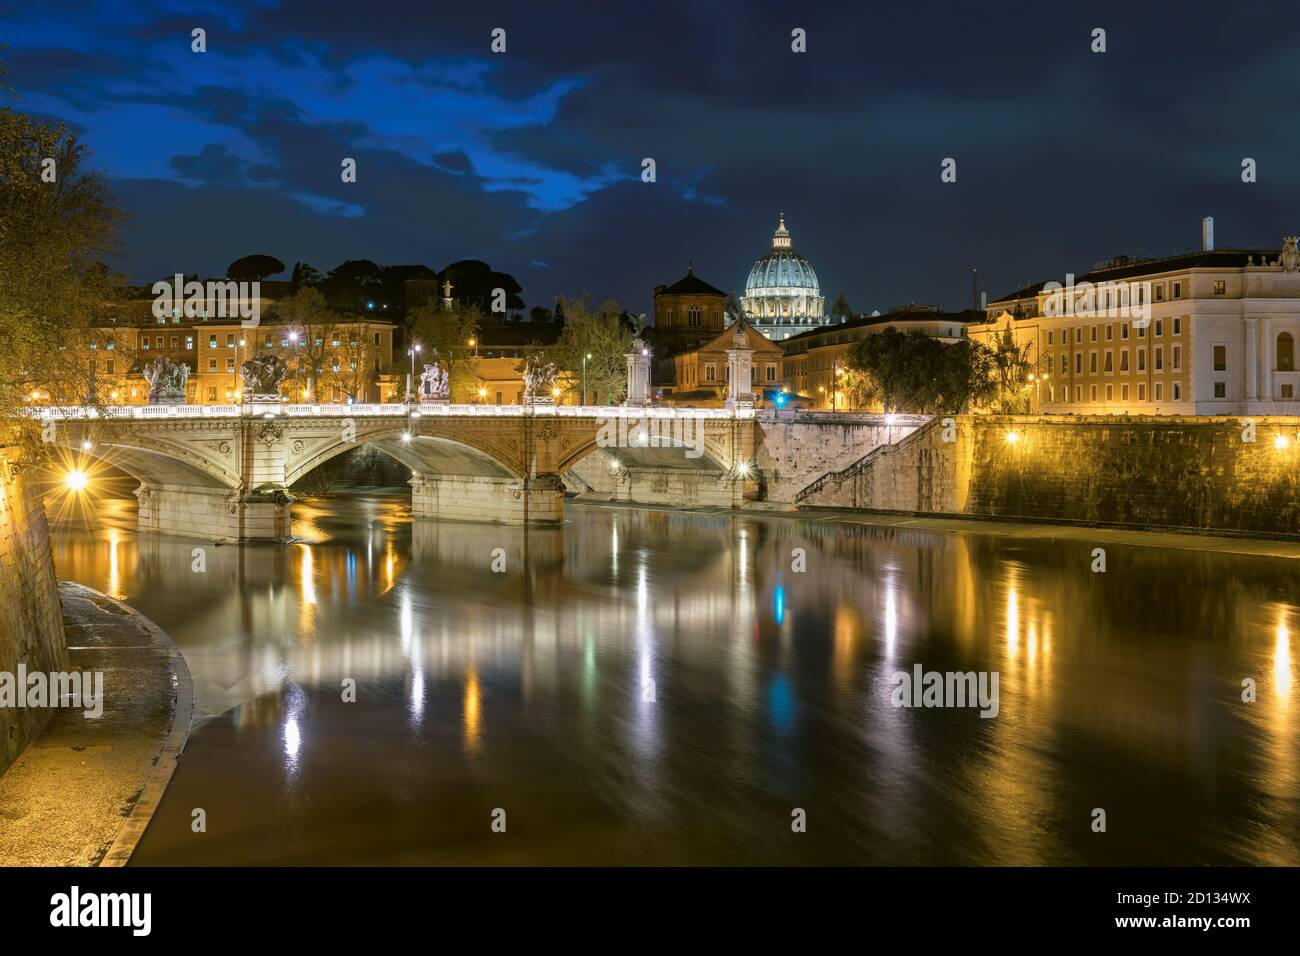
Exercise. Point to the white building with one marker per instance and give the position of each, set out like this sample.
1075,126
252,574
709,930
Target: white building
1217,338
782,297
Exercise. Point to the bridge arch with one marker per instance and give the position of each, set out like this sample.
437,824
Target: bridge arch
428,455
156,461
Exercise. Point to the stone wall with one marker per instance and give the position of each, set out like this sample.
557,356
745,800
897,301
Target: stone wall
792,450
31,622
1175,472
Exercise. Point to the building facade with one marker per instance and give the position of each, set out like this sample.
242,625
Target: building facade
816,360
703,376
782,296
1205,333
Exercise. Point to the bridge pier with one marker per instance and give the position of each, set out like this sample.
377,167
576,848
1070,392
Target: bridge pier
512,501
216,514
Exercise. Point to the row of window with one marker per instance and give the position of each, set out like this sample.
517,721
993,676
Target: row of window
1158,331
1157,392
157,342
1108,360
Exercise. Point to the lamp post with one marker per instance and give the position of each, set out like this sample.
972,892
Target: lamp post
835,383
410,381
584,378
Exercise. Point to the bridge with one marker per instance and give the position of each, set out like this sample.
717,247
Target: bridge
225,472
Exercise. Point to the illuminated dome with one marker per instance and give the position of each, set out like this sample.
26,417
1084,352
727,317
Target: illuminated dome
782,296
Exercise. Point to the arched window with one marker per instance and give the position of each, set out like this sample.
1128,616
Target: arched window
1285,353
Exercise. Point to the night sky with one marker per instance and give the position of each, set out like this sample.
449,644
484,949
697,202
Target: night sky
531,160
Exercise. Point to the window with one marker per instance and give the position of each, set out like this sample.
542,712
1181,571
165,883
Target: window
693,317
230,340
1078,393
1092,333
498,398
1160,358
1285,353
709,373
189,342
1110,361
1065,364
771,373
1092,393
1285,391
1092,362
1078,362
1142,360
1220,358
1049,337
1123,393
1110,332
1220,287
1123,360
1160,328
1142,391
1110,393
1160,292
1178,390
376,341
230,365
1159,392
1220,390
1178,294
212,341
212,393
1142,331
212,365
1178,357
144,343
1078,334
1123,331
108,367
1178,325
175,340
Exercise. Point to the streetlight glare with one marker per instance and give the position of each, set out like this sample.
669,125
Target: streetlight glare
76,480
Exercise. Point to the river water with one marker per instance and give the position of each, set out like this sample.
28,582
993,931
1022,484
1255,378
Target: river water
645,686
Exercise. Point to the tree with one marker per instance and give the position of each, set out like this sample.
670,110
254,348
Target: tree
474,282
604,336
56,240
254,268
304,274
1007,371
312,331
350,284
443,336
915,372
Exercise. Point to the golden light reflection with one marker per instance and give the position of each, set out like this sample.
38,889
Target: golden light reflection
1013,623
1282,678
114,572
847,628
472,709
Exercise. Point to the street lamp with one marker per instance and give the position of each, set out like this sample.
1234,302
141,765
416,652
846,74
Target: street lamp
410,382
584,377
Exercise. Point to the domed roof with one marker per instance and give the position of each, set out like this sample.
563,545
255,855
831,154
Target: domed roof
782,267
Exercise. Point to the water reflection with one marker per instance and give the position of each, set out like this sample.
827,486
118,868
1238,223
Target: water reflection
642,686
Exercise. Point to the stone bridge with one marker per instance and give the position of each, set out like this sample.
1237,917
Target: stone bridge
224,472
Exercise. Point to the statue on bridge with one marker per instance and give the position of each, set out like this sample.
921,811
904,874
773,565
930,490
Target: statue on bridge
262,375
539,380
166,381
435,389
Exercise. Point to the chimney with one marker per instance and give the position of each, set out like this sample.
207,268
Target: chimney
1207,234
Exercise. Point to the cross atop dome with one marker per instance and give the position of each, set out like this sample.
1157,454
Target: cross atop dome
781,238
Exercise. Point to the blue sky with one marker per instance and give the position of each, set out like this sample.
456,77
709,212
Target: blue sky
531,159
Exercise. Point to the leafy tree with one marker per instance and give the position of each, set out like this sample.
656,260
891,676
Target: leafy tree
313,330
443,336
350,284
475,283
915,372
254,268
603,334
304,274
56,285
1008,368
540,314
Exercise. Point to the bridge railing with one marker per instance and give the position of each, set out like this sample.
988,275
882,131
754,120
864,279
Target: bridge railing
393,409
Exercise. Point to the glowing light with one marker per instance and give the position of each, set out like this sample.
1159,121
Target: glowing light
406,437
1281,441
76,480
1012,438
613,464
555,393
482,393
742,468
87,445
